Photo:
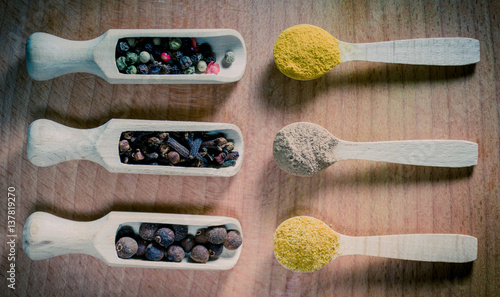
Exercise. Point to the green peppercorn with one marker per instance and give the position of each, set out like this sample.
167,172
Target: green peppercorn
121,63
229,57
131,69
175,43
190,70
131,58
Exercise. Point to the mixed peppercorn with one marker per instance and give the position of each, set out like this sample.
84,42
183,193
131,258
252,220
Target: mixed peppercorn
167,56
188,149
172,243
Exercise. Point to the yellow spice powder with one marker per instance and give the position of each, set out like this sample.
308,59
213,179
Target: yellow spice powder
305,244
306,52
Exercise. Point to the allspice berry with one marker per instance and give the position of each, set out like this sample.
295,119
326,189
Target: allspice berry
175,253
126,247
233,240
215,250
181,231
124,231
164,236
201,236
154,252
188,243
147,231
216,235
200,254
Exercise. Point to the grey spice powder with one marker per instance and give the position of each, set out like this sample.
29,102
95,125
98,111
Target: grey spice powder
304,148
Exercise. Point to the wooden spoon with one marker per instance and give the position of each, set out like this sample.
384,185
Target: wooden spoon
49,56
46,236
49,143
305,148
315,52
455,248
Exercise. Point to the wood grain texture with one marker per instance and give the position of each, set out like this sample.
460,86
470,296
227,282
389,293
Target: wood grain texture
359,101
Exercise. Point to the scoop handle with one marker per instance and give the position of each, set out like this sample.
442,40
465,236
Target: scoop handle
49,56
49,143
439,153
426,51
454,248
46,236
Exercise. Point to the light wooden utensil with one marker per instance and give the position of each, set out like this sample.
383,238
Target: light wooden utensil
49,143
290,157
451,248
49,56
445,51
46,236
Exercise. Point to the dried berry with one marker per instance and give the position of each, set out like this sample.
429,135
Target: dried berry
141,247
164,236
214,250
188,243
155,69
213,67
229,57
143,69
148,47
185,62
180,231
202,66
124,231
195,58
144,57
131,58
201,236
121,63
131,69
165,57
124,46
200,254
157,41
175,253
190,70
173,157
175,43
126,247
132,41
233,240
154,252
147,231
216,235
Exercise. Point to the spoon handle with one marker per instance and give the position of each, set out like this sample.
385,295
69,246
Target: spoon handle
49,143
427,51
46,236
49,56
418,247
439,153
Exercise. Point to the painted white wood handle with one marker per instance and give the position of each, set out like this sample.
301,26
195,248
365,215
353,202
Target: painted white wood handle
49,143
440,153
426,51
46,236
419,247
49,56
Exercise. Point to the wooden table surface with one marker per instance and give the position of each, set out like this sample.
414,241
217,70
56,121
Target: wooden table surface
356,101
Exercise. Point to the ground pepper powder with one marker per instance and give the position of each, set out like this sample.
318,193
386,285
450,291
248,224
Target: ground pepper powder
306,52
305,244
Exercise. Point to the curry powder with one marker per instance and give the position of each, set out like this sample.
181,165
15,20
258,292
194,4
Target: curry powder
305,244
306,52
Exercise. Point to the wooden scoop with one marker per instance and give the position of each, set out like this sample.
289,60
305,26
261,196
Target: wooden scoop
307,247
50,143
49,56
46,236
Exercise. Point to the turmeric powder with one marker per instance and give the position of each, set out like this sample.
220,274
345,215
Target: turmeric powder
306,52
305,244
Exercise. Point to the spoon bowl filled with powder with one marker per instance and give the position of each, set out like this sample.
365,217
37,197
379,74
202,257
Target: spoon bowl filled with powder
305,149
306,52
306,244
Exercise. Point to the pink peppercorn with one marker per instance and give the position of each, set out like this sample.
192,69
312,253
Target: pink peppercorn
165,57
213,68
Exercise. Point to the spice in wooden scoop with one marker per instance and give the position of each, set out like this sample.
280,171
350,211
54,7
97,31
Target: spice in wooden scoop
304,244
306,52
